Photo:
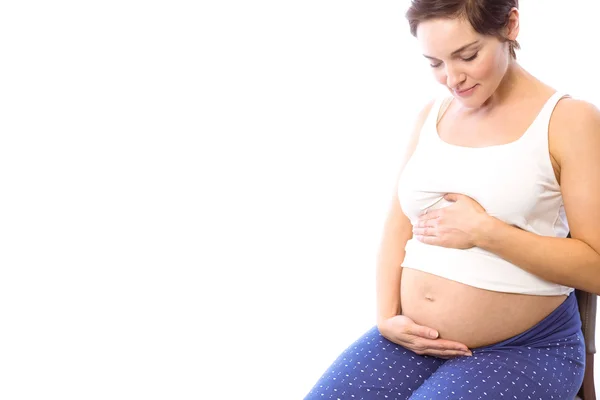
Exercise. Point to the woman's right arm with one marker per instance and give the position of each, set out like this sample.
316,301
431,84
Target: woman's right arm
396,232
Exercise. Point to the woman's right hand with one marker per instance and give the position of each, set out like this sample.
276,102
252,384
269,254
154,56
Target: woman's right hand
420,339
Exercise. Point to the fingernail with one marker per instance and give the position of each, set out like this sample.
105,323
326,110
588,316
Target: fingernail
433,334
469,354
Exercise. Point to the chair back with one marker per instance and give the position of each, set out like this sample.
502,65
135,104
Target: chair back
587,311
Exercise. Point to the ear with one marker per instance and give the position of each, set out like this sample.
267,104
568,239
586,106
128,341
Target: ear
512,27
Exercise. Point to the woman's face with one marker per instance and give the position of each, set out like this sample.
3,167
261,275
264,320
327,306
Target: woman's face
469,64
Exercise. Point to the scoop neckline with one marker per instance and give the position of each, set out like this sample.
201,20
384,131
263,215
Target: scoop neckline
493,146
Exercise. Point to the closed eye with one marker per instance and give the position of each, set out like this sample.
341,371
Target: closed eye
474,56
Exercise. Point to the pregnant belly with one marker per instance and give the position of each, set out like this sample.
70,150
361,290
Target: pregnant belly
469,315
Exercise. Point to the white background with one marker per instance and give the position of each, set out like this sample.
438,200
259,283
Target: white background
192,193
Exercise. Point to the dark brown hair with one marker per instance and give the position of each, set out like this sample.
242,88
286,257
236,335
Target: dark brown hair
487,17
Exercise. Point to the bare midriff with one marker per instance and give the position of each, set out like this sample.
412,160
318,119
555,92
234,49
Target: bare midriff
469,315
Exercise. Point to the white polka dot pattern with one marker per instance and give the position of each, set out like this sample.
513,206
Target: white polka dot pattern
546,362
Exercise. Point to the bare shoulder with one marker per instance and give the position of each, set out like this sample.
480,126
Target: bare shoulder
418,126
570,110
422,116
413,139
574,123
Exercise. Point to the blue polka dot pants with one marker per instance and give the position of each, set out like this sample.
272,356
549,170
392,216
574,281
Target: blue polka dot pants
545,362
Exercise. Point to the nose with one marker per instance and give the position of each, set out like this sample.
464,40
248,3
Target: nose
454,78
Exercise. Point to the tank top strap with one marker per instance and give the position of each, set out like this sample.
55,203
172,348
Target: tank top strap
438,108
542,121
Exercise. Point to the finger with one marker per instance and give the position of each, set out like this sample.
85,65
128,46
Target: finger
442,344
423,232
452,196
427,223
422,349
451,345
422,331
432,240
431,215
429,228
446,354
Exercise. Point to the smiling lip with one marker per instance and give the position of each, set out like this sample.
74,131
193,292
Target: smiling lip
465,92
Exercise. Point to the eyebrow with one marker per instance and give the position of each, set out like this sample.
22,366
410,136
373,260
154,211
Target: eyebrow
456,51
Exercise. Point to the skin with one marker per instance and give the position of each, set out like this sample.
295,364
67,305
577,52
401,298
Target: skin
436,316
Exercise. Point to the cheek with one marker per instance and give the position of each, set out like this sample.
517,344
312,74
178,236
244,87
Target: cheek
489,68
439,75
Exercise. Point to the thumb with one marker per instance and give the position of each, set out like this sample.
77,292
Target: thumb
452,196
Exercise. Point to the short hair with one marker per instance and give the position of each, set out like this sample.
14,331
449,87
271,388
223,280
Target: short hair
487,17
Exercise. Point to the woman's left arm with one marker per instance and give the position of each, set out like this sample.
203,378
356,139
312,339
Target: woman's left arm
571,262
574,262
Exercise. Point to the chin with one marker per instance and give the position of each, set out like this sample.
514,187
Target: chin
468,102
474,101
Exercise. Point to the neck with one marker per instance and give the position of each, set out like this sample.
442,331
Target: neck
516,84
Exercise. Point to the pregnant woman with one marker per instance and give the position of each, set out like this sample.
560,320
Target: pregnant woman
475,275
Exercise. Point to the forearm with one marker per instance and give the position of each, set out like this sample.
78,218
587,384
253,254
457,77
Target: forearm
566,261
388,292
389,274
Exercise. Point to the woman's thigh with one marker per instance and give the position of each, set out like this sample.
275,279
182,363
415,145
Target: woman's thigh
547,362
374,368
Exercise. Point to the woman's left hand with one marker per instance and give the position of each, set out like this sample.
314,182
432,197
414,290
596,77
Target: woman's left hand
455,226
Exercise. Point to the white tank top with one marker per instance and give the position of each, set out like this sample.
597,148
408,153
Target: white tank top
513,182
